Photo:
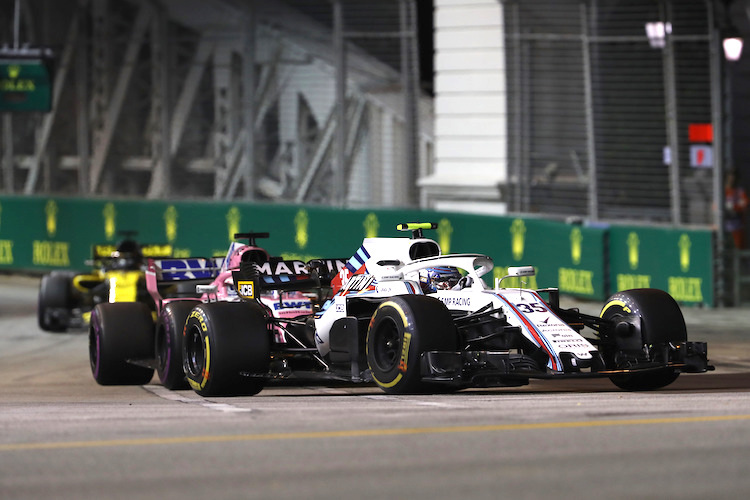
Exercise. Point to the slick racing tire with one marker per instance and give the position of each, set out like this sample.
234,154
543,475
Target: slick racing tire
655,319
401,329
120,332
168,343
55,302
223,342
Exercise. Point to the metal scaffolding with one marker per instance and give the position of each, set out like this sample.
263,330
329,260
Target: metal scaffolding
289,101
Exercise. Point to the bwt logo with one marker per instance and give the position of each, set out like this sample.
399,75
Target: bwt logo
246,289
292,305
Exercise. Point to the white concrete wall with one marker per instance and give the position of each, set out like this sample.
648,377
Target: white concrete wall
470,106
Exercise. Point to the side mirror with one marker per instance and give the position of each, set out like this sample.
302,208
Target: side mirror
521,271
210,291
516,272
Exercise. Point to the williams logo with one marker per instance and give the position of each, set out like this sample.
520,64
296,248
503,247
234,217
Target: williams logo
170,223
684,245
233,222
51,211
444,231
576,245
518,238
301,220
359,282
109,213
371,225
633,244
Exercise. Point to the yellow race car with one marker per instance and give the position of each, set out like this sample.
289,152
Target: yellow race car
66,298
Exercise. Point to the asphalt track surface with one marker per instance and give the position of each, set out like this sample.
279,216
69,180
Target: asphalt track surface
64,437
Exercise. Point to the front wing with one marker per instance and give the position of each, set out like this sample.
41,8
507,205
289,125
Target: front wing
505,368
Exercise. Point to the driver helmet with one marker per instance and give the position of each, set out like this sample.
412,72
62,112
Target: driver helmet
437,278
128,255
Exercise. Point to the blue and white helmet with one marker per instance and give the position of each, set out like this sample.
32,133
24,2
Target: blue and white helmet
437,278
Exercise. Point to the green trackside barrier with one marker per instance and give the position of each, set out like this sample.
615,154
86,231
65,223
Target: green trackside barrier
41,234
679,262
51,233
570,257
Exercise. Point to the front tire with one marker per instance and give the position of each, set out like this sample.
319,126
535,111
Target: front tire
168,343
646,322
119,332
648,381
221,341
401,329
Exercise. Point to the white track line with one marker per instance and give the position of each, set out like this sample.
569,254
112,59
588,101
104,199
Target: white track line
164,393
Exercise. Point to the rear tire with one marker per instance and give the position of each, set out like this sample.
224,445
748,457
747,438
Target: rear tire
119,332
168,343
222,340
55,302
401,329
654,319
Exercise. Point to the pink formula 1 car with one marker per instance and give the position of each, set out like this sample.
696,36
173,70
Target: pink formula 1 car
128,341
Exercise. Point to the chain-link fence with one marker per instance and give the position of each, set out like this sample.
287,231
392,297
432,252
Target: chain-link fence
600,115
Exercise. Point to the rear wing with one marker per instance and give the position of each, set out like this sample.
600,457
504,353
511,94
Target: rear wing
107,251
193,268
160,272
156,251
152,250
250,280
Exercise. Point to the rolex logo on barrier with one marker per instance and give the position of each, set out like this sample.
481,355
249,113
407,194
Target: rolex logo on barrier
576,245
445,231
51,253
633,244
51,212
518,237
684,245
371,225
6,246
301,220
170,223
233,222
109,213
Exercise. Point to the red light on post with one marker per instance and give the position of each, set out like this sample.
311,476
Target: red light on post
701,132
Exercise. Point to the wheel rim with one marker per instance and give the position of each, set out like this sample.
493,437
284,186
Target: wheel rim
386,345
195,353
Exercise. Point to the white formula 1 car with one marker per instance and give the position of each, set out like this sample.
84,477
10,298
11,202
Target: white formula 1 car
413,320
